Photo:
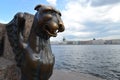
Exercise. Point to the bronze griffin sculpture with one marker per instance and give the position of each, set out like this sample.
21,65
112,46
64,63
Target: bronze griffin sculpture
29,37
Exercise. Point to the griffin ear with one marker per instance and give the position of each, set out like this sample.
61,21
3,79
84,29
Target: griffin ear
37,7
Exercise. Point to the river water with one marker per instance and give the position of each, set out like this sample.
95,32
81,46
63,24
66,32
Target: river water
98,60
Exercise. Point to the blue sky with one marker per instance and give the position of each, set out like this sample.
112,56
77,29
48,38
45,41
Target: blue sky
83,19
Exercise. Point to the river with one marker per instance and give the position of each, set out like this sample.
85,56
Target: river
98,60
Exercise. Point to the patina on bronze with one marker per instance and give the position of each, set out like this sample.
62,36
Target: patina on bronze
30,42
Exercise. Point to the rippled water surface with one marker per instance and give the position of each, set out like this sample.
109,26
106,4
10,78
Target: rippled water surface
98,60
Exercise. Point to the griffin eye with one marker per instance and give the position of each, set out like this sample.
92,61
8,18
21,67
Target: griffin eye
48,17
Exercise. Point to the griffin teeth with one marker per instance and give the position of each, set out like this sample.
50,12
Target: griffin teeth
56,31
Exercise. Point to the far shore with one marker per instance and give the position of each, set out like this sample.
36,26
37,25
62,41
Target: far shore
89,42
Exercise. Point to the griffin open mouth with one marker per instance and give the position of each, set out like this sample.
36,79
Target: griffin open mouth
51,32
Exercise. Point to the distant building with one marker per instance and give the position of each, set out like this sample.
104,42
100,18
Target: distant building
108,42
54,42
115,41
98,42
86,42
64,39
94,39
73,42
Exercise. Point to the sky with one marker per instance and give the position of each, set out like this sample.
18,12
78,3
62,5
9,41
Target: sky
83,19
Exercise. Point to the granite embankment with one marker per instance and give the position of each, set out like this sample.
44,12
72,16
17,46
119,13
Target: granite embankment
66,75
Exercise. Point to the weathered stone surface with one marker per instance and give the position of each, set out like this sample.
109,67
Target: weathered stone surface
8,70
2,32
67,75
8,53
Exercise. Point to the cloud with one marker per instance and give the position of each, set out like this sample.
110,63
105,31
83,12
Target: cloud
113,13
52,2
97,3
110,37
85,21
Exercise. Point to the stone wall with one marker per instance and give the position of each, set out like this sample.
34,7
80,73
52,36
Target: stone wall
8,70
2,32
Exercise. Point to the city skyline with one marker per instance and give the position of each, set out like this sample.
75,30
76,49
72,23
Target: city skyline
83,19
